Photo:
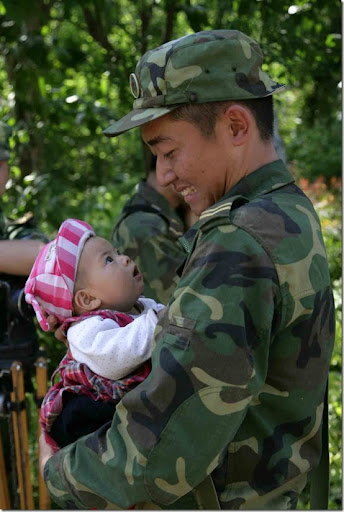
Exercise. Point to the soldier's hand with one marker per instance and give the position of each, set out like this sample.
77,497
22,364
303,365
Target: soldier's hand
45,452
53,322
60,334
160,313
56,327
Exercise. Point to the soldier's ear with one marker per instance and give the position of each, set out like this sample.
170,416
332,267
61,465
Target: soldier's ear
84,301
239,121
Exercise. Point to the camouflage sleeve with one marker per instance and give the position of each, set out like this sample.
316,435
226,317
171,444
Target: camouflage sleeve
210,361
145,238
27,231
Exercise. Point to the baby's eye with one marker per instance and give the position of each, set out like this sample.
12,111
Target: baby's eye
109,259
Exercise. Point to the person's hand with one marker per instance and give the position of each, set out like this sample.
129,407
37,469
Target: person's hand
60,334
45,452
56,327
161,312
52,320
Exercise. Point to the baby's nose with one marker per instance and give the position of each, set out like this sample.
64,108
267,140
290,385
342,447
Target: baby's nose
125,259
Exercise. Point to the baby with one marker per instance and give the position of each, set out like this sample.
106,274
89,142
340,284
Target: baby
94,292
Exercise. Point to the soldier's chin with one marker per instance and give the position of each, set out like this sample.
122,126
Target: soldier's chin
197,203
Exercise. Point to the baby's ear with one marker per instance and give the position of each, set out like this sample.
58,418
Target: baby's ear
86,302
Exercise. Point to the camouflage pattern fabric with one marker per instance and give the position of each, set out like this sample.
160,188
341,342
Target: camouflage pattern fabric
239,368
21,229
194,69
152,240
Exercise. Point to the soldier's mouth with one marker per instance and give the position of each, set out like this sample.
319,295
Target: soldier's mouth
188,191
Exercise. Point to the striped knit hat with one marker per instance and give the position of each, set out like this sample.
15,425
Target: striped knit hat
53,274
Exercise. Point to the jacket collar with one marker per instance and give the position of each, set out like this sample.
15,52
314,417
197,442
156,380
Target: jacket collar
269,177
263,180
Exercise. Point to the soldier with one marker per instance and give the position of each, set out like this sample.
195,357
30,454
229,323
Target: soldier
20,242
242,351
148,231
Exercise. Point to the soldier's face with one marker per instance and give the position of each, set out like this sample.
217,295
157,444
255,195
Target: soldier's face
199,168
4,175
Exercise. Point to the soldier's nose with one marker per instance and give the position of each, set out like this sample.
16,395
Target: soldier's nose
164,174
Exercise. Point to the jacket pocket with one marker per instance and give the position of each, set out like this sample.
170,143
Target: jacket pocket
179,331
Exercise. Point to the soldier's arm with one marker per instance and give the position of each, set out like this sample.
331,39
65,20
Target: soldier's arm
18,256
210,361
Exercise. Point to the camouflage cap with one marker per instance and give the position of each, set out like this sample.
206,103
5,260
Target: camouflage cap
212,65
5,132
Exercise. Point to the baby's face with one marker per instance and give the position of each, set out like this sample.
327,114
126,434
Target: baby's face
112,277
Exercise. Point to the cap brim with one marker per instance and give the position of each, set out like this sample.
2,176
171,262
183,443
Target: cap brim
137,117
140,116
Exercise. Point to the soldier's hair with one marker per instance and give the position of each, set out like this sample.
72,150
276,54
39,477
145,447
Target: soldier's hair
204,115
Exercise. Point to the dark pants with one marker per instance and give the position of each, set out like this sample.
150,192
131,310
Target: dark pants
80,415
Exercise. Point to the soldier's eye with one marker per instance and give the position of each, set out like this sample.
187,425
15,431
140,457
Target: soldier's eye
109,259
169,154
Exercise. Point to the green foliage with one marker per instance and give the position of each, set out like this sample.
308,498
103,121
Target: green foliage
326,159
64,67
327,202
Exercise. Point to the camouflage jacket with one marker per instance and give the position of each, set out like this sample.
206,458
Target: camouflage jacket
238,371
20,229
148,231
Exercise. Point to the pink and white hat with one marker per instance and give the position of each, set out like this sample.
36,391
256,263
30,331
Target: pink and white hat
53,274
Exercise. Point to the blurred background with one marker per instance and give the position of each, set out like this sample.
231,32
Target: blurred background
64,70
